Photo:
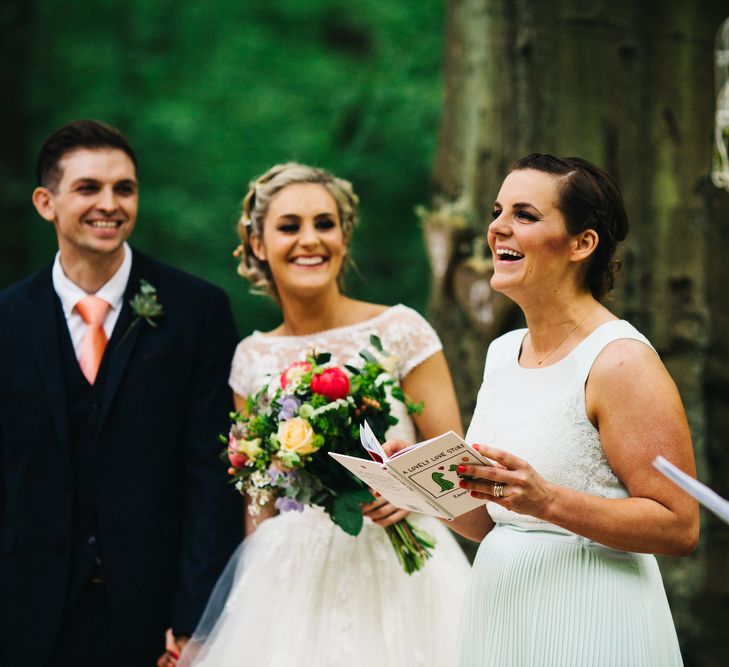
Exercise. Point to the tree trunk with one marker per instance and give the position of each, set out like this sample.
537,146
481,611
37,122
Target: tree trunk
629,86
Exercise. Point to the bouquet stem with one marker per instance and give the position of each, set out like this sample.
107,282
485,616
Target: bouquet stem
412,545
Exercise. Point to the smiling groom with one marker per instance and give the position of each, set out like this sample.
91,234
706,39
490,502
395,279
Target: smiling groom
115,515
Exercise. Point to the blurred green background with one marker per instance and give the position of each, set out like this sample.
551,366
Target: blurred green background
211,95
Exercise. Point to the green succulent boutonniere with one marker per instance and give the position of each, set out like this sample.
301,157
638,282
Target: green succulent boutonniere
145,306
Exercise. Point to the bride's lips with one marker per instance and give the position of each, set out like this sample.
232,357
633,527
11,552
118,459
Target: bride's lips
309,261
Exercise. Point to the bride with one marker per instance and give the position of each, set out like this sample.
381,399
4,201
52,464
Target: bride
300,591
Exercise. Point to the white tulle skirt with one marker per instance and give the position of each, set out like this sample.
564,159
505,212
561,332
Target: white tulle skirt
300,592
544,598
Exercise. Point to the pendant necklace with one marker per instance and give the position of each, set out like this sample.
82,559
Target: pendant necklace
569,333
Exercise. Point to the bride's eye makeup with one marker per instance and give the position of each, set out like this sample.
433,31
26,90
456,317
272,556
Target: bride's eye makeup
288,227
325,222
292,225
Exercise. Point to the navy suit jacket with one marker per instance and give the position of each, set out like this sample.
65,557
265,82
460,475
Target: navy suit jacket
167,519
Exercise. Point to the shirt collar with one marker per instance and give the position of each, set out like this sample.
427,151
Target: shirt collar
112,291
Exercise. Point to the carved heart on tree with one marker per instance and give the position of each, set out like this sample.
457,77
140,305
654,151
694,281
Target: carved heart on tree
488,311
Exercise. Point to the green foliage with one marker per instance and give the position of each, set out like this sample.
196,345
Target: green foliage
212,94
347,511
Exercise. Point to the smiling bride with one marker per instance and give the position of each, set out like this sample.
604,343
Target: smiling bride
301,591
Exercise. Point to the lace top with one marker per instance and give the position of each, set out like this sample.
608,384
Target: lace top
540,415
403,332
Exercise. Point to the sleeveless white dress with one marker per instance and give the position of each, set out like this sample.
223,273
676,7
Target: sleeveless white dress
300,591
540,595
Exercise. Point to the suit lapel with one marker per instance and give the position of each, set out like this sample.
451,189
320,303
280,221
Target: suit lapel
123,341
43,312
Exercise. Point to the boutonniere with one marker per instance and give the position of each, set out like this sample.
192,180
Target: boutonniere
146,307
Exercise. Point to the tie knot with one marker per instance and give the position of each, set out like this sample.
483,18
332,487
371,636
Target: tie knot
92,309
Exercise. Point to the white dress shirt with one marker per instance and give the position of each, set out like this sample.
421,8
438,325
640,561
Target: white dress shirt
70,294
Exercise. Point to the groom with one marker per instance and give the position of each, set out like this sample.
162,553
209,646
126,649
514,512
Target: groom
115,515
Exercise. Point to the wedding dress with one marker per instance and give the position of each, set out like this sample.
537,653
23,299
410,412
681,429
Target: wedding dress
301,592
539,594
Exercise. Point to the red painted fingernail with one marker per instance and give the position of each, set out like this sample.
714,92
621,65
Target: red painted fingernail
476,447
475,494
462,483
461,469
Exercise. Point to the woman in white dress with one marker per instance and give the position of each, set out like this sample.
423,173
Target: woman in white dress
301,591
578,405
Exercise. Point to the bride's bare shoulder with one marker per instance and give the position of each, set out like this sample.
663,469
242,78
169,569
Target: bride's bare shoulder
361,311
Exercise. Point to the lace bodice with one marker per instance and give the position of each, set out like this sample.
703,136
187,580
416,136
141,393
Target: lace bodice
540,415
403,332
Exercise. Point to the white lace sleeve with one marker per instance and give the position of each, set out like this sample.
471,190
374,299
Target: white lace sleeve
410,337
242,375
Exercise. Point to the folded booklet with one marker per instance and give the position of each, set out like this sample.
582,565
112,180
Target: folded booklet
422,477
708,498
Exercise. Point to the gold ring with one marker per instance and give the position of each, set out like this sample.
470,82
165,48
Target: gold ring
498,490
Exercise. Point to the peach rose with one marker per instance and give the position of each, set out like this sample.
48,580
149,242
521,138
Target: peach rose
296,436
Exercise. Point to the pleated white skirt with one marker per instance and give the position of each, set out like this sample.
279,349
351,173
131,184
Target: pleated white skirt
302,593
541,598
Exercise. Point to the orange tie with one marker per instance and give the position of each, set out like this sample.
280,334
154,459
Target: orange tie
93,311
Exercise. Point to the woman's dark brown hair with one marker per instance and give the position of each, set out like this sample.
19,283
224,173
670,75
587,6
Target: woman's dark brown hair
589,199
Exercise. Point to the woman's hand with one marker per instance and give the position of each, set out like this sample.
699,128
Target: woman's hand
510,482
173,649
393,446
382,512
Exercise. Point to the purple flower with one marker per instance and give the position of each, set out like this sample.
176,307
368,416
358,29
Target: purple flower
275,474
289,406
288,504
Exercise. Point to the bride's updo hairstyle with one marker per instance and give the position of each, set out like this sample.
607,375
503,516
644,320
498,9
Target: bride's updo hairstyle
589,199
255,206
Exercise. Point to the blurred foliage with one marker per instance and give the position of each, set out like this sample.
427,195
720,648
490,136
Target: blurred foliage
211,95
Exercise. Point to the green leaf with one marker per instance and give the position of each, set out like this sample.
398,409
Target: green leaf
368,356
346,510
352,369
322,358
376,343
415,408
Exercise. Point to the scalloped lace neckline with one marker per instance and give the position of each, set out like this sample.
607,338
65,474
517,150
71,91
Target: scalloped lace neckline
261,335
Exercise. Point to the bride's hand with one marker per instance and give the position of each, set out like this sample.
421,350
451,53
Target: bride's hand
173,649
393,446
382,512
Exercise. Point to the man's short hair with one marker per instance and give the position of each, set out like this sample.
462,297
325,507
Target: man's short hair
73,136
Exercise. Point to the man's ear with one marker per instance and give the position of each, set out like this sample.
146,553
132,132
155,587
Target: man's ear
584,244
44,203
259,250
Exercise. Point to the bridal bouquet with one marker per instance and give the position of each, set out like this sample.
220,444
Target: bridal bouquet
277,447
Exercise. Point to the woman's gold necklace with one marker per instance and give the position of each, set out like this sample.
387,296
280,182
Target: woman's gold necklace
569,333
